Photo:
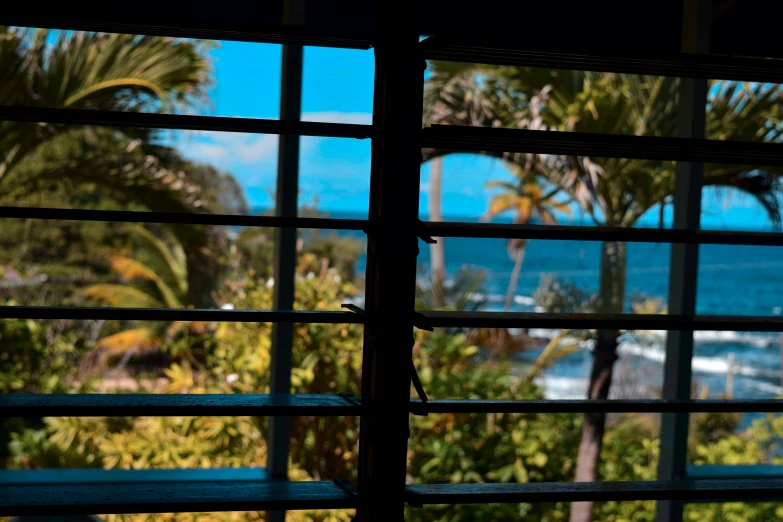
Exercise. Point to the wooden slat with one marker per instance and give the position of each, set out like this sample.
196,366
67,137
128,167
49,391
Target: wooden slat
593,406
590,233
132,405
710,67
177,497
668,322
183,122
244,32
126,216
477,139
177,314
688,490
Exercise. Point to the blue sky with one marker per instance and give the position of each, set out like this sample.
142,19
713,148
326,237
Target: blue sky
334,172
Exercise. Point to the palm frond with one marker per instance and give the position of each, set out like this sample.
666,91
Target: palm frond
170,258
129,269
121,296
557,348
765,186
132,269
138,339
501,203
121,72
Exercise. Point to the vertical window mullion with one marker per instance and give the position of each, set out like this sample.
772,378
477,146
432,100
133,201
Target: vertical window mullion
286,199
391,261
683,268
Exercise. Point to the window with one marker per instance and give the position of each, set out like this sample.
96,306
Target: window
341,366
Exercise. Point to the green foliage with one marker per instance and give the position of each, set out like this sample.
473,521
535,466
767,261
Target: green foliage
35,357
621,189
127,167
629,452
340,252
255,249
711,428
487,447
326,359
52,165
443,448
465,293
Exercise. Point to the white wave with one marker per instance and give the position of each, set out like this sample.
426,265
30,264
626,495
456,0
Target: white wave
766,387
477,297
546,333
720,337
524,300
721,365
645,351
657,338
562,387
716,365
711,337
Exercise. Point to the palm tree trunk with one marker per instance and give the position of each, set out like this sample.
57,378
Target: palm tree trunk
202,264
612,293
437,250
512,284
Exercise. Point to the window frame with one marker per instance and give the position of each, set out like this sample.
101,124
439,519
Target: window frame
393,230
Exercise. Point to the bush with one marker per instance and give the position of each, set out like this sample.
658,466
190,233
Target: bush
485,447
235,358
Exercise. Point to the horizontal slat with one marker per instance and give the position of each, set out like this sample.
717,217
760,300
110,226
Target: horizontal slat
710,67
177,497
277,34
593,406
124,216
589,233
688,490
735,471
158,405
669,322
477,139
60,476
177,314
184,122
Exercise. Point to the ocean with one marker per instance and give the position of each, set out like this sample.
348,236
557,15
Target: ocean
732,280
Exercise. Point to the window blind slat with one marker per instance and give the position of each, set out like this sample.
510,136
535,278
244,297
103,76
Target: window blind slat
690,490
183,122
594,406
239,32
161,497
590,233
127,216
85,313
154,405
710,67
581,321
478,139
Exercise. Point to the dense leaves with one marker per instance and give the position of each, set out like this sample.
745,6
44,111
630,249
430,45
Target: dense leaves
52,165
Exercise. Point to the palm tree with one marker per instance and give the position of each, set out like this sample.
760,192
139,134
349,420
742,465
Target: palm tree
117,72
528,201
77,70
612,191
437,249
157,278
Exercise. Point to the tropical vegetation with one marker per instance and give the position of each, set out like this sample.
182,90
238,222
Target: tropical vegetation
613,192
107,264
